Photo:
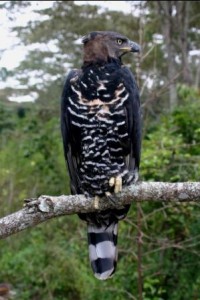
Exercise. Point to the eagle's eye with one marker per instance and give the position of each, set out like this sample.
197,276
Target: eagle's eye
119,41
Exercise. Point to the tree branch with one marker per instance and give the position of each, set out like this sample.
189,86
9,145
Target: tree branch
36,211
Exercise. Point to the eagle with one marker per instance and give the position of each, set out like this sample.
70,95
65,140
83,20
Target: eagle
101,132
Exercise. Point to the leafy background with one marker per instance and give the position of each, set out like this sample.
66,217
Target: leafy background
159,243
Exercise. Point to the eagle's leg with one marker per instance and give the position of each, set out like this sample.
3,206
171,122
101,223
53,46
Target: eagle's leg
96,202
116,182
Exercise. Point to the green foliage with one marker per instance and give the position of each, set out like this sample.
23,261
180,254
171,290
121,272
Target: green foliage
171,153
52,259
32,265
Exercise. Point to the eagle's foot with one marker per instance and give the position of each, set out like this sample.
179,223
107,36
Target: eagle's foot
116,182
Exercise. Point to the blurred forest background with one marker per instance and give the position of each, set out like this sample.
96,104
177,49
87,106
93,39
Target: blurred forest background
159,243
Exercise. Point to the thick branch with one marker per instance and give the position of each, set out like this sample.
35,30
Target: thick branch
47,207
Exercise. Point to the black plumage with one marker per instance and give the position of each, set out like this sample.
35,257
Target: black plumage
100,122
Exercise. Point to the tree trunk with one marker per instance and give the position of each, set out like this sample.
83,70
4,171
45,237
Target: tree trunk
174,20
165,10
182,12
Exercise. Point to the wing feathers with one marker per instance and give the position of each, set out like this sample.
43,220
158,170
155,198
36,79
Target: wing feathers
71,145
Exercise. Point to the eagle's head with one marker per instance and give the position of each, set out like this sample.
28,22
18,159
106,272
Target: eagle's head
102,45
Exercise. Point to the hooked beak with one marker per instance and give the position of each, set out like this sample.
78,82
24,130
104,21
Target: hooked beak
131,47
134,47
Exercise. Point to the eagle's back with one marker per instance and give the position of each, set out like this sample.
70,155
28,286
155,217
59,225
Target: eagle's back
98,117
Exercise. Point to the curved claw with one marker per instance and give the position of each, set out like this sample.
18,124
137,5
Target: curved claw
110,197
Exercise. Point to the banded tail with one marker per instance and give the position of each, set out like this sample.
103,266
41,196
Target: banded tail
103,249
